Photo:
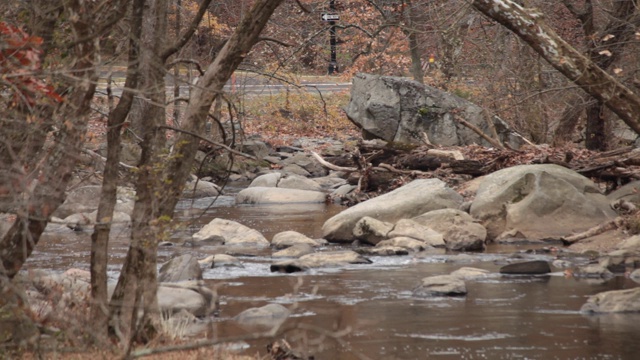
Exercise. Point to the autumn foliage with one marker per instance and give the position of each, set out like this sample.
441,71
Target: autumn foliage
20,66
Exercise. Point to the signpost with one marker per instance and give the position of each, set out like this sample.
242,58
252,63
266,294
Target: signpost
332,18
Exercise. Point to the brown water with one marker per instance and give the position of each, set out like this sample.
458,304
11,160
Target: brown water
372,305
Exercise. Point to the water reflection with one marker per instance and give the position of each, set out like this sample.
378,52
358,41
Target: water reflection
500,318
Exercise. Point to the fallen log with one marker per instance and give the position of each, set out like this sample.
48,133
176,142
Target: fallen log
596,230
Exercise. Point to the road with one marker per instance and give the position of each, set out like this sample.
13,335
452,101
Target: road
241,85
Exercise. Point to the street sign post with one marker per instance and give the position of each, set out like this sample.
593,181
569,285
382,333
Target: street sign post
330,17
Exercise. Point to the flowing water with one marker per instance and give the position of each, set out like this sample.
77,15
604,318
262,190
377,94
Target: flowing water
368,311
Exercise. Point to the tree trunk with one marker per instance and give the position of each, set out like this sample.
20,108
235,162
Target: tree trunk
206,90
100,236
528,25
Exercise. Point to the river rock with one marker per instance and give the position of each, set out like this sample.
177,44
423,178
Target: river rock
412,229
635,275
397,109
192,296
294,251
404,242
199,189
266,195
220,260
295,169
440,285
527,268
371,230
318,260
539,201
383,251
616,301
628,192
630,243
85,221
470,273
231,232
308,163
459,230
289,238
270,315
266,180
413,199
593,271
621,261
85,199
180,268
292,181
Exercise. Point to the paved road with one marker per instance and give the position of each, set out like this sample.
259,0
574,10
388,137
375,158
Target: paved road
248,86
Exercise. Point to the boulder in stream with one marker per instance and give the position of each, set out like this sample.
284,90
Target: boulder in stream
268,316
285,239
441,285
412,199
534,267
274,195
539,201
616,301
320,259
180,268
229,232
460,232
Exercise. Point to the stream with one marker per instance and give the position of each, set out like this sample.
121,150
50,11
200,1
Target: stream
368,311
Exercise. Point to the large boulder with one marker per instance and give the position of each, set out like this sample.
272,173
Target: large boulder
616,301
180,268
401,110
289,238
415,230
286,181
538,201
199,189
229,232
192,296
274,195
413,199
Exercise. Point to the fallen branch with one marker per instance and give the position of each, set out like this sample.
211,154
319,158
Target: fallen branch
95,155
331,166
596,230
477,130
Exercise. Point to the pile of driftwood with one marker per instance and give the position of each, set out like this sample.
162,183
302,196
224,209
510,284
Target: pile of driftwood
376,166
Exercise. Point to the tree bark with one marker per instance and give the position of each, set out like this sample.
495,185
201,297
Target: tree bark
528,25
206,90
100,236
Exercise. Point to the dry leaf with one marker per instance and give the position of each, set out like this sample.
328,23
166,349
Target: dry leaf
608,37
617,71
605,53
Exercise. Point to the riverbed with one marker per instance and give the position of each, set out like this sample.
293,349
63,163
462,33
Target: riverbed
369,311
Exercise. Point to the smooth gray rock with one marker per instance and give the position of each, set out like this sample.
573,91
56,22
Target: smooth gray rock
371,230
459,230
231,232
469,273
413,199
322,259
220,260
294,251
266,316
85,199
293,181
616,301
527,268
384,251
267,195
181,268
199,189
308,163
539,201
412,229
285,239
192,296
396,109
593,271
404,242
440,285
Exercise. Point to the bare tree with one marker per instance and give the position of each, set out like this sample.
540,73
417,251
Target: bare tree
529,26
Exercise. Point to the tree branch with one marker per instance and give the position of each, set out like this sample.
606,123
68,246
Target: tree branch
188,33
